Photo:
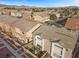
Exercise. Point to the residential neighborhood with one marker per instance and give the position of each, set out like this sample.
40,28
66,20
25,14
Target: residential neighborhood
39,32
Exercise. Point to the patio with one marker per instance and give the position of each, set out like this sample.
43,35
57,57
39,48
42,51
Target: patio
41,54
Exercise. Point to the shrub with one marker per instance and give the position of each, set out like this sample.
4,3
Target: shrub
53,17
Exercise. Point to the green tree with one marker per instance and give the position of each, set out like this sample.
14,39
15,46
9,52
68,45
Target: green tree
53,17
66,12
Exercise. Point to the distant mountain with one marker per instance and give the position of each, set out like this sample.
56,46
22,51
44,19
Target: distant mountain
11,6
23,6
15,6
72,7
2,5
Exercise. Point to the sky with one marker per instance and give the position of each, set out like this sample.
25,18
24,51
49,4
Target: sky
42,3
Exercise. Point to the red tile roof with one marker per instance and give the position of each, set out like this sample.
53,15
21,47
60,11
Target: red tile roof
72,24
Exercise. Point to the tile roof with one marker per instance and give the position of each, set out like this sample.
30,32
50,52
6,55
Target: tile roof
73,23
10,48
67,39
25,25
22,24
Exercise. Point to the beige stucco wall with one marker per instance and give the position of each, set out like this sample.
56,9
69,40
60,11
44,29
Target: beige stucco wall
65,53
38,18
5,27
58,15
47,45
68,53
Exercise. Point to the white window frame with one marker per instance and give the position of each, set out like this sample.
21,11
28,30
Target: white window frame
52,49
37,37
42,41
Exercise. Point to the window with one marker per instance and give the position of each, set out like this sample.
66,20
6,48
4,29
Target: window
38,37
57,51
39,48
38,42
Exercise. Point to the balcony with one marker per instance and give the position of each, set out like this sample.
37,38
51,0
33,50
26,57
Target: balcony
36,50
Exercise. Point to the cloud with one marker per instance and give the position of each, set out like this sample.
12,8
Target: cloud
77,1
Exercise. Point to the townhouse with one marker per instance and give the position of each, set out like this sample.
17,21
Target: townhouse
16,14
58,42
20,28
41,16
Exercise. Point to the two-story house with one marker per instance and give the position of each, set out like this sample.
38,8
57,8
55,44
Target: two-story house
20,28
58,42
